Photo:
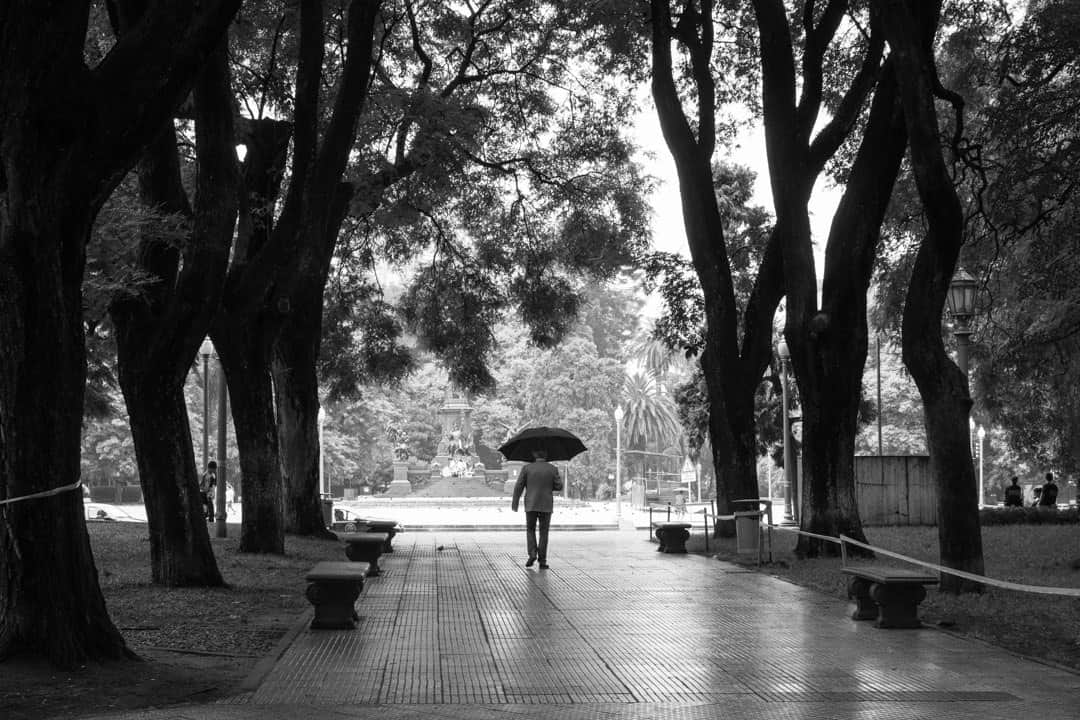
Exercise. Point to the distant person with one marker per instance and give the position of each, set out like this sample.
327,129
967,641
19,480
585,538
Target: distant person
1014,494
206,489
1036,493
1048,496
539,480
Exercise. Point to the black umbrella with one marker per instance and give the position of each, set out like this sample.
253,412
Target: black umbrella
559,444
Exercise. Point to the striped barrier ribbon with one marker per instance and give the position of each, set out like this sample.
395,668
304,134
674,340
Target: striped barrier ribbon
1004,584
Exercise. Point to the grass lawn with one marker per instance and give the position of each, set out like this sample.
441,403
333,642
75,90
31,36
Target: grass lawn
197,644
1044,627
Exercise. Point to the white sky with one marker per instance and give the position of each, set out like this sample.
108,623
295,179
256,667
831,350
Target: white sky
667,226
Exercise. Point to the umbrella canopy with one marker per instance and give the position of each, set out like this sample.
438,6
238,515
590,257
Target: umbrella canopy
558,443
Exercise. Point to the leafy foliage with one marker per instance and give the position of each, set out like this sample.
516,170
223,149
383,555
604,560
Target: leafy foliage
496,173
1016,171
746,230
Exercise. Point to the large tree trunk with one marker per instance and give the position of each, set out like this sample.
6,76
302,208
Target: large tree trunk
295,358
296,355
289,270
827,360
50,600
246,358
180,551
731,376
839,336
68,137
943,386
158,332
243,337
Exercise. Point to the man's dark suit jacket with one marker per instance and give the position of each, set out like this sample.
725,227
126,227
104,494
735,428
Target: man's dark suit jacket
537,480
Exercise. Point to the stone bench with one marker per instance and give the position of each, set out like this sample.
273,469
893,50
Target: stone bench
890,596
390,527
672,536
333,588
366,547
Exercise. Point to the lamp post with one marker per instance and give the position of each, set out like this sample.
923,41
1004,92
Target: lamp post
618,460
982,436
322,470
222,452
206,349
789,452
961,301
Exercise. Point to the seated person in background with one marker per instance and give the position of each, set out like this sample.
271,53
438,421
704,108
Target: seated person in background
1014,494
1037,494
1048,497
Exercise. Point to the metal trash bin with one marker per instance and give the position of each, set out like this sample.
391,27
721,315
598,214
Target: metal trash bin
747,532
327,510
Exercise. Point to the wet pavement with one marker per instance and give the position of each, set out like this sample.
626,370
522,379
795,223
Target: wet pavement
457,627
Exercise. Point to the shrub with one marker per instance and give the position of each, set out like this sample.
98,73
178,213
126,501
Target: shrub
1029,516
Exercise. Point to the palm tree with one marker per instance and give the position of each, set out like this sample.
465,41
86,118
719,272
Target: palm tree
658,359
651,422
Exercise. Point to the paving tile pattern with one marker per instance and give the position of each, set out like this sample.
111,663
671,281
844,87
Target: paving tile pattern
457,627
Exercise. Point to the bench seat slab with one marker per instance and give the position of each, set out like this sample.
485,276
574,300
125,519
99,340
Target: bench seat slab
390,527
672,536
366,547
889,597
333,588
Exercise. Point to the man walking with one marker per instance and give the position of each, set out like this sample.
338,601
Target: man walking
539,480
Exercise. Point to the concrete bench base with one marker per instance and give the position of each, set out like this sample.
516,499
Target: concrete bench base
390,527
365,547
333,588
890,597
672,536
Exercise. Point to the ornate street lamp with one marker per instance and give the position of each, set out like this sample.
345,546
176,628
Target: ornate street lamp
961,302
789,452
618,460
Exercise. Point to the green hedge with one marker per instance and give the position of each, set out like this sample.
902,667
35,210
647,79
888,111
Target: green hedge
1029,516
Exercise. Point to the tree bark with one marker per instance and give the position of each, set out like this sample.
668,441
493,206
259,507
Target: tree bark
180,551
827,371
838,340
277,284
910,29
295,357
243,339
245,355
731,376
67,137
158,333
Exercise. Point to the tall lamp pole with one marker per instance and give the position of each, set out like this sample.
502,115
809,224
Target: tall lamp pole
322,469
961,301
789,452
982,436
206,349
618,460
222,452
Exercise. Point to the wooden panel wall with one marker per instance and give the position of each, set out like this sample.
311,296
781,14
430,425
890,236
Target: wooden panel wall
895,490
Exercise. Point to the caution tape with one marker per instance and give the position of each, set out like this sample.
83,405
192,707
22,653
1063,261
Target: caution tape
45,493
1004,584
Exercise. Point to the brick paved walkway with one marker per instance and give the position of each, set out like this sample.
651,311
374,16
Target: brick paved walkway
456,627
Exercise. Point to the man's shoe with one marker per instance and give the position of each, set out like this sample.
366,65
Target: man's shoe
543,566
530,561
